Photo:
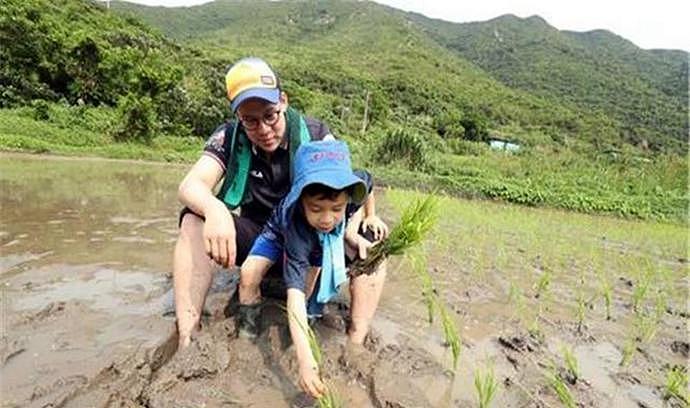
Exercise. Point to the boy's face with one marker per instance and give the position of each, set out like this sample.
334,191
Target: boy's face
324,213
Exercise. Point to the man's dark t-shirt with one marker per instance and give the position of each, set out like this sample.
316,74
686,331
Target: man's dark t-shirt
269,179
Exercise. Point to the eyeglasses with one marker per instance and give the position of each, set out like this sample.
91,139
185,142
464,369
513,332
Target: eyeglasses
269,119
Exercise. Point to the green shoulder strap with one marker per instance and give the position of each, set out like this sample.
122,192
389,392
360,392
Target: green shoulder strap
298,133
237,169
232,191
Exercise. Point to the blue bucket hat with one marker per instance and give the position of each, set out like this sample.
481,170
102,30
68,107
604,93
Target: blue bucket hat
325,162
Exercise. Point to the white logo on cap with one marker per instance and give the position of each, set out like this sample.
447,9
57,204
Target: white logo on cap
267,80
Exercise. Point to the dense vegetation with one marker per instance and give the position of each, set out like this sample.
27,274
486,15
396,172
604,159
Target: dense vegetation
644,91
391,83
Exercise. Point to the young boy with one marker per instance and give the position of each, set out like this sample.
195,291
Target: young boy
310,231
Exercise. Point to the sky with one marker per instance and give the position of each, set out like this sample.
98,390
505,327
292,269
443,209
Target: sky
648,24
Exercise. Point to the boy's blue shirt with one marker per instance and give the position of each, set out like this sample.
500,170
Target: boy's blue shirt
289,228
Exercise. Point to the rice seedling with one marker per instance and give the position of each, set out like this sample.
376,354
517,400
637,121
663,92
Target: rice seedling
581,305
486,385
561,390
450,333
641,288
645,327
535,328
571,364
607,293
542,284
330,399
676,385
419,266
415,222
628,351
517,297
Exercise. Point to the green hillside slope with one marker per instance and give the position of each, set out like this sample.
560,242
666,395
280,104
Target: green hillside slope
646,91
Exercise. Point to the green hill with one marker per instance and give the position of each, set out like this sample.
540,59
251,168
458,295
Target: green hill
597,71
333,53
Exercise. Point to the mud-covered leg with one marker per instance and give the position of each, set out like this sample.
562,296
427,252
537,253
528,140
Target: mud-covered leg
192,274
365,292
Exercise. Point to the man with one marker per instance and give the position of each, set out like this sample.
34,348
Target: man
253,155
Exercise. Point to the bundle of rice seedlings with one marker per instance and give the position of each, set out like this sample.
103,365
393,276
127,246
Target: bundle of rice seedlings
416,221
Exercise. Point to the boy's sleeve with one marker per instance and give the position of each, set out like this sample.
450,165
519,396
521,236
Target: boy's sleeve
298,247
269,243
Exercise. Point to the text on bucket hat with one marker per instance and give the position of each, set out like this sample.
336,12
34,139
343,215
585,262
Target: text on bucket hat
325,162
251,77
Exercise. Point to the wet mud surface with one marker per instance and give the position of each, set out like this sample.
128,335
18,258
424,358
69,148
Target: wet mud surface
86,318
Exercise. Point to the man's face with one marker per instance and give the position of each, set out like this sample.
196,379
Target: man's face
324,213
264,122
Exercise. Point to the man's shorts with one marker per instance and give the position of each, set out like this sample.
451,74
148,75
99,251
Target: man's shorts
246,231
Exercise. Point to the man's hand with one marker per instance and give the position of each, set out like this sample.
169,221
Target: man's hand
310,382
219,235
376,225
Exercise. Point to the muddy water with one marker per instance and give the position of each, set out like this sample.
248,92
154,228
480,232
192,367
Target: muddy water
85,251
85,260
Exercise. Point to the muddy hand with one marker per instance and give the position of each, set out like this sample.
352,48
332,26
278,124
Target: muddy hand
310,382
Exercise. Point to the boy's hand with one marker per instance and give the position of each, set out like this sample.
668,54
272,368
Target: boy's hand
376,225
310,382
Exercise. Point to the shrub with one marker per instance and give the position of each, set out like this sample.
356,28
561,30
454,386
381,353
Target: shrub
136,119
403,145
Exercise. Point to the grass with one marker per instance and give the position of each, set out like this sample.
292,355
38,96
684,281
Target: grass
73,131
486,386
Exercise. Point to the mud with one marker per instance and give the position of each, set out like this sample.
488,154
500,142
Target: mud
86,317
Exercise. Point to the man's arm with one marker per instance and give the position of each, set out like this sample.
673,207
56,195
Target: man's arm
196,192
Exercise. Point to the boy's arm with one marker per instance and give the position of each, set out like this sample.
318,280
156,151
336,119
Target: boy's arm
309,380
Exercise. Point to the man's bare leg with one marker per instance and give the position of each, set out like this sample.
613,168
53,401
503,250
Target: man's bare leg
192,274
